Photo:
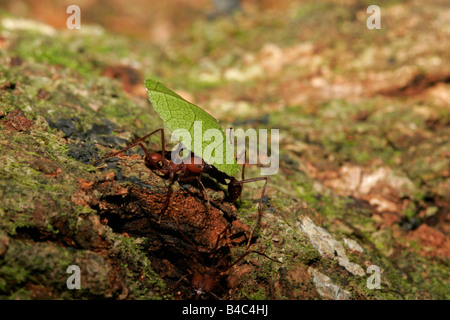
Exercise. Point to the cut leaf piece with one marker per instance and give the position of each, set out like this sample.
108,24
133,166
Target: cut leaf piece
177,113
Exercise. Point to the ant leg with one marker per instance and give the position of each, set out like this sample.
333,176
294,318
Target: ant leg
199,181
185,237
205,193
219,236
245,159
259,204
238,157
216,245
168,195
246,254
133,144
148,156
171,178
243,170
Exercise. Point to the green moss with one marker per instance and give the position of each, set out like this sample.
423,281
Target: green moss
25,262
145,283
259,294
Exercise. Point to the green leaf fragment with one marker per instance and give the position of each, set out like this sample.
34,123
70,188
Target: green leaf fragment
177,113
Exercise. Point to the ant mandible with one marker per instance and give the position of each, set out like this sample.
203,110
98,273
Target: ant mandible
191,171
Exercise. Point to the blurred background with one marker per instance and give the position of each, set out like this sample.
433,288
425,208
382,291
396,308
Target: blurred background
151,20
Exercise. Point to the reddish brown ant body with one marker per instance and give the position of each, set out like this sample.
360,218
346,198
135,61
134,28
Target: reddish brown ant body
192,171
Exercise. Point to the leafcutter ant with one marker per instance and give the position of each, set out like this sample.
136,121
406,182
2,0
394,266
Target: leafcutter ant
207,275
191,171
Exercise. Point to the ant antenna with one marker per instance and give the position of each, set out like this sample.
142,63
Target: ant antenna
136,143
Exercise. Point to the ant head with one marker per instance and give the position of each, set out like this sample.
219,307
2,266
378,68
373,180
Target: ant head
155,158
203,283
